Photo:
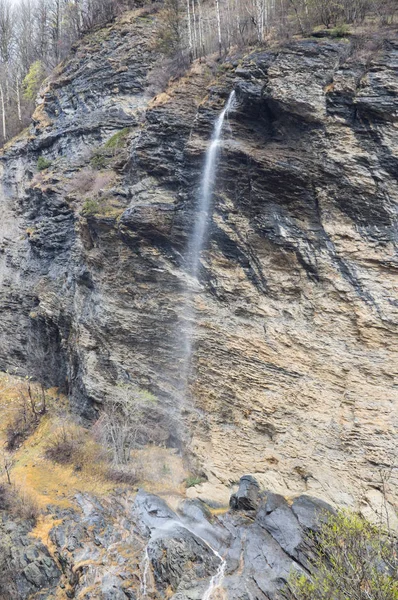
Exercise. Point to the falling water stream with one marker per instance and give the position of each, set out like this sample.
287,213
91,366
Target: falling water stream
195,247
170,524
145,571
200,233
217,579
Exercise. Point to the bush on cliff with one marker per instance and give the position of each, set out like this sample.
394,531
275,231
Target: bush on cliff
43,163
122,425
29,409
353,560
18,503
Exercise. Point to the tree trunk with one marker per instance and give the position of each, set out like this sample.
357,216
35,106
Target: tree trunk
3,112
219,26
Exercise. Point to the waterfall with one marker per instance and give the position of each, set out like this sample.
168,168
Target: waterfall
217,579
199,233
170,525
145,573
199,236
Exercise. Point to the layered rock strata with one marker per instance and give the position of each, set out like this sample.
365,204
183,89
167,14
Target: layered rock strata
295,346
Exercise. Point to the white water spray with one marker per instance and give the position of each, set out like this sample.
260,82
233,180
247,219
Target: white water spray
198,239
145,571
217,579
199,233
168,526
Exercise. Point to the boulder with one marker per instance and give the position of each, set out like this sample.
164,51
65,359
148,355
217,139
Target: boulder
247,496
311,512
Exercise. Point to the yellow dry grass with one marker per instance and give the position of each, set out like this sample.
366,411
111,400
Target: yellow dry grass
41,117
49,482
161,470
44,481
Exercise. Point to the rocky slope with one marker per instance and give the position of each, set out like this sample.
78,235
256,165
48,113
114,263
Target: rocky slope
295,345
128,548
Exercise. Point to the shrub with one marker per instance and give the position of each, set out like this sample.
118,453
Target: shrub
123,475
62,448
89,180
353,559
90,207
33,80
340,31
29,410
103,156
82,181
43,163
193,480
105,206
166,69
99,159
122,425
18,503
117,140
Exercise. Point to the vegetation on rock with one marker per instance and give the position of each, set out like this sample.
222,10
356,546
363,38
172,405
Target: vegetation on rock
43,163
352,559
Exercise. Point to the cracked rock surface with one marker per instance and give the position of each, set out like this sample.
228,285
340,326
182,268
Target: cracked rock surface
295,349
130,547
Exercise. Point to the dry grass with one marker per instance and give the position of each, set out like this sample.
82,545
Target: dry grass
91,181
51,480
48,482
18,502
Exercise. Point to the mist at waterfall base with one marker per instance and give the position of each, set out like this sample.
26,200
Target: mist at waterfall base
197,242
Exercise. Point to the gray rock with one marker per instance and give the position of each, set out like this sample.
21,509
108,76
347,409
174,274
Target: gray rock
247,496
311,512
278,519
180,559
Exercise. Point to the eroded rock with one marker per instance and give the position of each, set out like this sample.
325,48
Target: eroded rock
247,496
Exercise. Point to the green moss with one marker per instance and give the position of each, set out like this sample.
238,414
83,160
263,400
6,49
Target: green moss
103,207
99,159
43,163
90,207
104,155
117,139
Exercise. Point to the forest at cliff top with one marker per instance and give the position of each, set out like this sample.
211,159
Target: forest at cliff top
35,35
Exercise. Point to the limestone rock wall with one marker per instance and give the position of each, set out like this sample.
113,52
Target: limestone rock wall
295,346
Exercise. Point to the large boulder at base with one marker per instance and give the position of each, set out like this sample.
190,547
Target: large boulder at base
247,496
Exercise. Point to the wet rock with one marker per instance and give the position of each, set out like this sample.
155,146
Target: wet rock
179,559
247,496
152,513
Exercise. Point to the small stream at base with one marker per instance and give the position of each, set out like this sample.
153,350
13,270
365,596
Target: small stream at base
145,571
216,580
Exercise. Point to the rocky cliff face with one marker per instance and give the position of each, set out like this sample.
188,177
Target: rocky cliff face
295,345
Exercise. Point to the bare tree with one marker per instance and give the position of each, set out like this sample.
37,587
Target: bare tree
121,425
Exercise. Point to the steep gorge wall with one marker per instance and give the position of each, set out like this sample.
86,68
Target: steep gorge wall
295,346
